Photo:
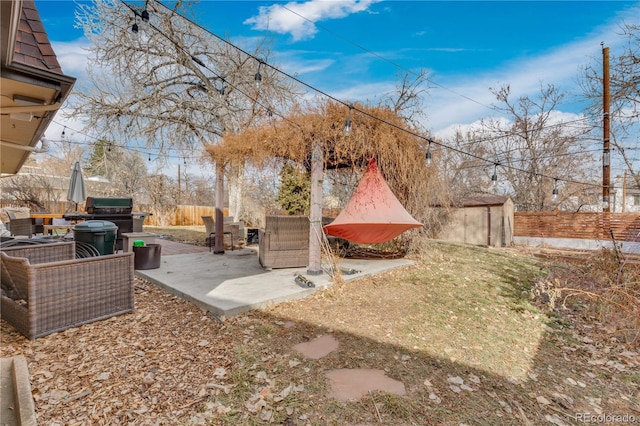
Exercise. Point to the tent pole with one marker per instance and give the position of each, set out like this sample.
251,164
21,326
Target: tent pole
315,214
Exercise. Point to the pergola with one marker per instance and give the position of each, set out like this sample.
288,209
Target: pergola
316,139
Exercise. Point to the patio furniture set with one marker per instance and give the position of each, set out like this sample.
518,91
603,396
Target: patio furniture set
46,288
282,243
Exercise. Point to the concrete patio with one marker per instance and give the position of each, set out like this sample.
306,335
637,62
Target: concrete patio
234,282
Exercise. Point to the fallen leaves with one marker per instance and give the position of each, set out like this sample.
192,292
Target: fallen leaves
131,368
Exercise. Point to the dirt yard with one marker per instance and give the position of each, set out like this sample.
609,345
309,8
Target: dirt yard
461,330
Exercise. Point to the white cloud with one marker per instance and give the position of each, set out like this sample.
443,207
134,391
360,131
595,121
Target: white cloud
298,19
72,56
364,92
294,67
463,99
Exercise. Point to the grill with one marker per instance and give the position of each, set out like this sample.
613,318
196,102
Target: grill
112,209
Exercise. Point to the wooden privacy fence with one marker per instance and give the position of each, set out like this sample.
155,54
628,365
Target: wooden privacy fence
184,215
591,226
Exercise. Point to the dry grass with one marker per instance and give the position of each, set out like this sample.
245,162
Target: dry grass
194,234
604,285
460,314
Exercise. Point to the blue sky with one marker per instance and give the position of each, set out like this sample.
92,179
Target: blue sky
353,50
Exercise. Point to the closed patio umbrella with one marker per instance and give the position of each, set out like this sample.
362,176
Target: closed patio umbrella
77,191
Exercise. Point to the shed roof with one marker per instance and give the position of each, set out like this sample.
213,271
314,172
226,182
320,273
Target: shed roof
483,200
480,200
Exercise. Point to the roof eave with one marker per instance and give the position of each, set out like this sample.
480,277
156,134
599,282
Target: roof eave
61,84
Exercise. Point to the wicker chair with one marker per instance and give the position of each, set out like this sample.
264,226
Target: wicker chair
284,242
232,230
45,289
21,227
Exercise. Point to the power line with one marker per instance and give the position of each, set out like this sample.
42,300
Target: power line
377,55
314,89
138,150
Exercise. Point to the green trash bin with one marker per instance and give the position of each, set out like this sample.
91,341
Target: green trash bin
101,234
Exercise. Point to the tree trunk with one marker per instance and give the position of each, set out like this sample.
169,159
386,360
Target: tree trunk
235,181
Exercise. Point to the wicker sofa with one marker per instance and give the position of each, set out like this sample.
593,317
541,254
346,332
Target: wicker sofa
46,289
284,242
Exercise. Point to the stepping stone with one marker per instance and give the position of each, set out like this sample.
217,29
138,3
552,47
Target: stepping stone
352,384
317,348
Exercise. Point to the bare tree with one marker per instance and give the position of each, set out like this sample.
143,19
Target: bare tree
163,198
530,150
173,84
407,101
43,181
125,169
196,189
465,167
28,190
625,97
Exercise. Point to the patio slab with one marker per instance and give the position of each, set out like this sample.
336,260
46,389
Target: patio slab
234,282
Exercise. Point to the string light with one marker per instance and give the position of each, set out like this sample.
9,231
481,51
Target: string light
115,145
554,193
347,124
494,178
145,13
428,155
63,134
134,27
257,79
347,128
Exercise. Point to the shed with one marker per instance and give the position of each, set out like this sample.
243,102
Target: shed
485,220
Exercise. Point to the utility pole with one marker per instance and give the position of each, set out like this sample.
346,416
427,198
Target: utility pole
624,192
606,156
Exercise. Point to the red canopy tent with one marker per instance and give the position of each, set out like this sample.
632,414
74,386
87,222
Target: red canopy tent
373,214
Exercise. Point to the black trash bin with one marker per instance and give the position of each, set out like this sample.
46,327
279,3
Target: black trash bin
101,234
147,256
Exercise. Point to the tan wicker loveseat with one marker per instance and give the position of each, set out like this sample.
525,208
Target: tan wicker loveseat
46,289
284,242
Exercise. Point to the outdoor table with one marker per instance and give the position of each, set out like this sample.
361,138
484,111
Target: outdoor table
47,218
48,229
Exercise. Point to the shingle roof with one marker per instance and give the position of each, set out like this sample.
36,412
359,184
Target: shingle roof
32,43
477,201
483,200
